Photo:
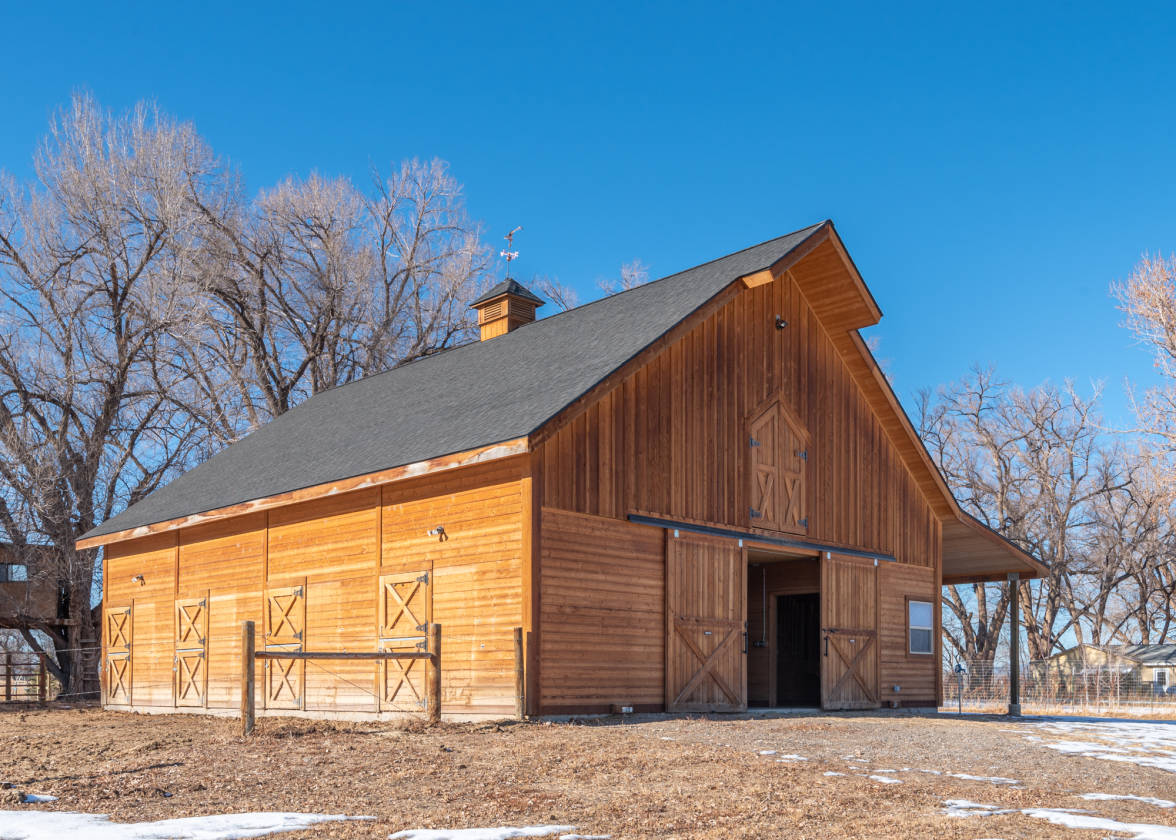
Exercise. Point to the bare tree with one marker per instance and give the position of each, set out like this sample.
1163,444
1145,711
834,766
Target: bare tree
1033,466
98,265
633,274
316,284
561,296
1148,299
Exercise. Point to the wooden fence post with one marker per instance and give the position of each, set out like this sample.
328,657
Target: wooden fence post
8,677
434,688
520,690
42,680
248,649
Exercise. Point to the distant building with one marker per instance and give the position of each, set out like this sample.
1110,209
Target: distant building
1142,664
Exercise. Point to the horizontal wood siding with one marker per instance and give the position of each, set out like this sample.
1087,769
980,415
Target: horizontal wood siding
602,614
336,548
914,673
671,438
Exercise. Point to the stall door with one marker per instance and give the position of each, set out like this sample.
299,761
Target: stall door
285,623
706,638
849,633
191,673
405,606
118,656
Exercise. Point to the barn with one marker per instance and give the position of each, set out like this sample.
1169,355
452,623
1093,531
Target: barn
697,495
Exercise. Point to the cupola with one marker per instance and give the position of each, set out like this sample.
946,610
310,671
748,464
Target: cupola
506,306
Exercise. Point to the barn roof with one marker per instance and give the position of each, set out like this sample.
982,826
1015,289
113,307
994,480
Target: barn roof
480,393
1146,654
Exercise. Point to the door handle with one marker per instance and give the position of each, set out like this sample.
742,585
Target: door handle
745,641
826,646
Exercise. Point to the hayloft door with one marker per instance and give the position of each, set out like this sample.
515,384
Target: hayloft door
285,625
849,632
118,626
405,609
189,663
778,445
706,632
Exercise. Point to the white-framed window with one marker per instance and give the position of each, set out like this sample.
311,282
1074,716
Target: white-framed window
1161,677
921,627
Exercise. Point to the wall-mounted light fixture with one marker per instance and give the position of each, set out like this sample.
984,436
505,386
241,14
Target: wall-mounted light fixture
139,579
780,323
439,533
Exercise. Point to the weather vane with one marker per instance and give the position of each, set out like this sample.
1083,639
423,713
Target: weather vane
507,252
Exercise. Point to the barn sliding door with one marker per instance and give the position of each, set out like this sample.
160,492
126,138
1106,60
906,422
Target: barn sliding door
849,632
706,652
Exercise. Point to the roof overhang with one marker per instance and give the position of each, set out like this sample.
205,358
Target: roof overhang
974,553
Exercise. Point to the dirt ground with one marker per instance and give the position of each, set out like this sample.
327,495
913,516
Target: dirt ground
647,776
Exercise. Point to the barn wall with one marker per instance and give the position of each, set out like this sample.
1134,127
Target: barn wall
671,439
602,614
336,549
915,674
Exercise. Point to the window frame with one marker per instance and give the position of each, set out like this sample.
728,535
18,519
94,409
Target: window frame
1156,677
919,599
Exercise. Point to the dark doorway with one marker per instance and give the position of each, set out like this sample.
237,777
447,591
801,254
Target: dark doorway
798,650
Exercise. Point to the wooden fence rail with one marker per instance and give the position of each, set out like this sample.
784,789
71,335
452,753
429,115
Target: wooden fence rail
249,646
24,681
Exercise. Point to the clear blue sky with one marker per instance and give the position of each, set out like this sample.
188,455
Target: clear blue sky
992,168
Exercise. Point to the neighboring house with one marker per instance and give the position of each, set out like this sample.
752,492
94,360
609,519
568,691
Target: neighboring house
30,597
699,494
1138,664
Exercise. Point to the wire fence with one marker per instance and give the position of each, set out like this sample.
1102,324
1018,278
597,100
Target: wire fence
1051,687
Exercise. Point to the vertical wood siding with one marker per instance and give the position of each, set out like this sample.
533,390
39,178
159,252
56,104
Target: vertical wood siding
915,673
672,438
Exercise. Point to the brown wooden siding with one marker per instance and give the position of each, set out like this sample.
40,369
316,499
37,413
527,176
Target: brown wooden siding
914,673
602,612
336,548
671,438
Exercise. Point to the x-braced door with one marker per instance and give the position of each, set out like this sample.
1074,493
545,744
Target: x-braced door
285,626
118,626
779,447
405,612
706,644
849,632
190,662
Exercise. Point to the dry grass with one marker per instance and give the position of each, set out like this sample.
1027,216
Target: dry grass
649,777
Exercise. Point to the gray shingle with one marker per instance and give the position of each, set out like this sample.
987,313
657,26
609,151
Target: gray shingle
473,395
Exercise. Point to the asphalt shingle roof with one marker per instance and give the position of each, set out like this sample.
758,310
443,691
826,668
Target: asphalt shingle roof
473,395
1146,654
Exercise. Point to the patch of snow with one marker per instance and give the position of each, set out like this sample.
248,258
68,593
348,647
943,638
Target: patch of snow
1150,800
1070,819
38,797
791,757
832,773
53,825
501,833
1151,744
886,780
585,837
767,752
968,808
996,780
666,738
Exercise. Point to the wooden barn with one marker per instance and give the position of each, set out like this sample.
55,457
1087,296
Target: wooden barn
699,494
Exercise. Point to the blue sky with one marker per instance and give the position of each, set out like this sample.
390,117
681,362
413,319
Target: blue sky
991,168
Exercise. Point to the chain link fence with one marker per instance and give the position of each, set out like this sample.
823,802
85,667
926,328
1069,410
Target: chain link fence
1067,688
